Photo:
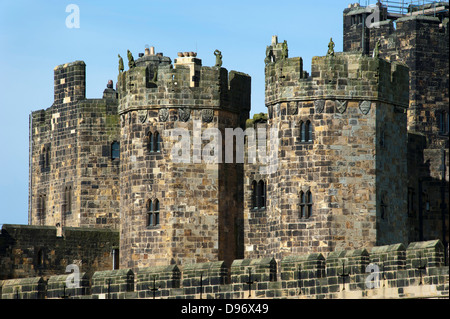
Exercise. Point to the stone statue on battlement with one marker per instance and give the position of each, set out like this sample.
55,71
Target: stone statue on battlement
218,55
268,51
121,68
376,51
284,50
131,63
330,48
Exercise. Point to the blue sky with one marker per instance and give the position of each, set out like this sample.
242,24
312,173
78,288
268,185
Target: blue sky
34,39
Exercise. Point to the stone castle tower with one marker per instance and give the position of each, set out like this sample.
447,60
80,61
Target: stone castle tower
174,212
74,179
418,36
341,173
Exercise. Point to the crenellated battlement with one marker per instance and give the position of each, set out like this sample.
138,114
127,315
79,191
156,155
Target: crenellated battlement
344,76
155,82
391,271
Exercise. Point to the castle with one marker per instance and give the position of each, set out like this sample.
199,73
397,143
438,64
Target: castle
357,159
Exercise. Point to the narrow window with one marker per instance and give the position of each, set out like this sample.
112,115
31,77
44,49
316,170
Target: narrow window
152,213
254,197
309,203
149,213
261,194
150,142
157,142
115,150
309,131
302,131
41,209
302,205
156,212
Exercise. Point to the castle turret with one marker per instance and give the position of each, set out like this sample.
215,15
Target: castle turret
179,209
340,180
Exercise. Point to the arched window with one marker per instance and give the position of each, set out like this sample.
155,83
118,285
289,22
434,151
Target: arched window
157,142
305,131
154,142
302,205
254,196
152,213
150,142
302,131
261,194
258,194
305,204
115,150
308,131
309,203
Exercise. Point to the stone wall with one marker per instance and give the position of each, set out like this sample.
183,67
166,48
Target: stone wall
383,272
31,251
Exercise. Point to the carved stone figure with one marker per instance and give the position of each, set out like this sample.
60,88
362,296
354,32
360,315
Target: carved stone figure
319,105
121,68
218,55
330,48
142,115
341,106
284,50
268,54
376,51
364,106
184,114
163,114
131,63
207,115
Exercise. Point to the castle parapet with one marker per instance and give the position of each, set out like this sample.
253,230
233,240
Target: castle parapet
345,76
154,83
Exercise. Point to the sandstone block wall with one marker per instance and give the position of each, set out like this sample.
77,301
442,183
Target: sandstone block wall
200,204
73,179
30,251
382,272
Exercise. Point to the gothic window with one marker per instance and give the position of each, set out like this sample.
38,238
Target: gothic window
303,131
115,150
305,204
154,142
152,213
254,197
150,142
306,131
258,194
157,142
